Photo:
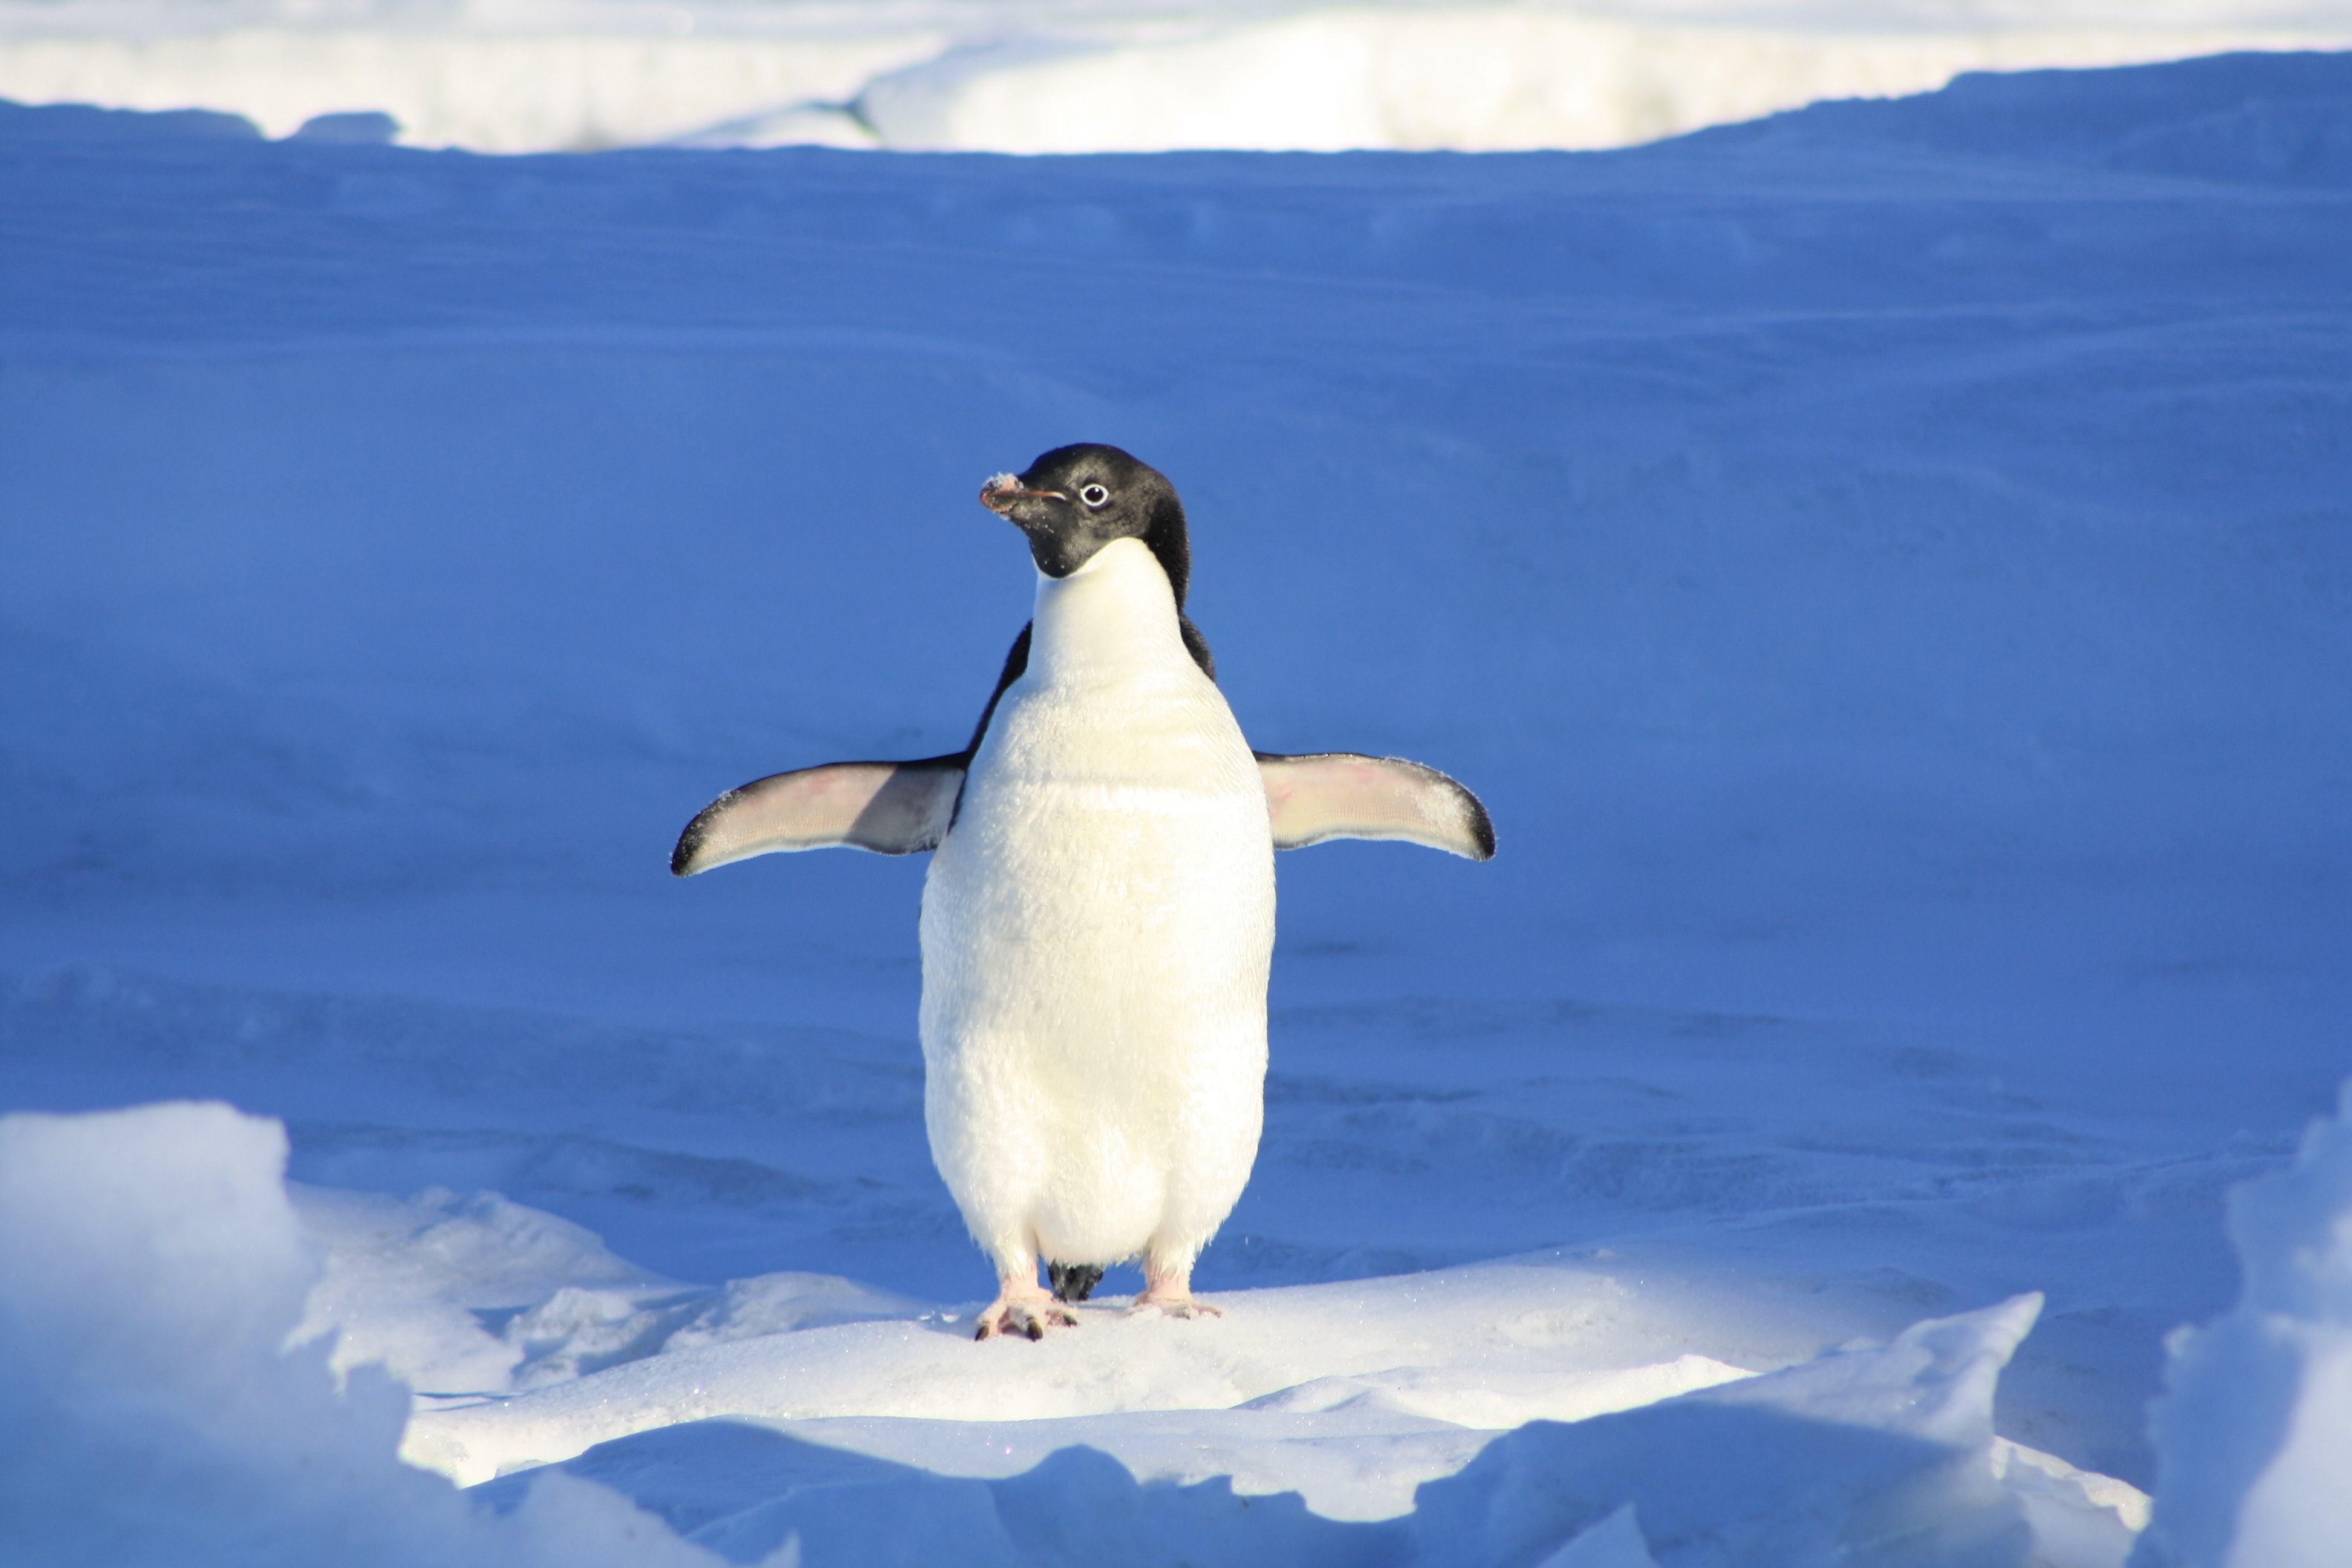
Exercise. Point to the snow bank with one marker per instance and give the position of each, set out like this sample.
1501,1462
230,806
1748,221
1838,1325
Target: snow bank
1881,1456
467,1295
1028,77
1507,1344
1878,1456
1473,79
154,1271
492,91
2254,1432
157,1270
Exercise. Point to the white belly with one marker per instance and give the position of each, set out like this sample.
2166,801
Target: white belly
1096,936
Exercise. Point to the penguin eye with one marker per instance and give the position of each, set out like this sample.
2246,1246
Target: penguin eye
1094,495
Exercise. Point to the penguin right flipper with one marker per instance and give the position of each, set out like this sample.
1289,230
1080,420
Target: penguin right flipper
1343,794
891,808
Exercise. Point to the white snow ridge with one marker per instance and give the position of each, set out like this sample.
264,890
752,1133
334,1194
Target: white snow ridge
158,1407
1066,76
156,1412
2254,1431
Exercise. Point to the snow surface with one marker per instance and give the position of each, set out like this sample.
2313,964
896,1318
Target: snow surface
1885,567
158,1271
1074,75
154,1272
2256,1419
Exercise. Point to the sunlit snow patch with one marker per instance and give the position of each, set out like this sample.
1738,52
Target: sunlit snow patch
473,1296
1471,78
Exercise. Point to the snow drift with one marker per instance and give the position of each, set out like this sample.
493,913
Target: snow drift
1470,78
155,1415
2255,1425
160,1415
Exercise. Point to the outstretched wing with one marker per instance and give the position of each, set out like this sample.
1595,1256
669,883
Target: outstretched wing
891,808
1340,794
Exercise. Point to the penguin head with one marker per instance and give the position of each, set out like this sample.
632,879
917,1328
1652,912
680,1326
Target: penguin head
1073,500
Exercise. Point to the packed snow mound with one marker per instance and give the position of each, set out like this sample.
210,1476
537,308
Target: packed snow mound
463,1296
167,1408
1028,75
1879,1456
2255,1427
1513,1342
156,1414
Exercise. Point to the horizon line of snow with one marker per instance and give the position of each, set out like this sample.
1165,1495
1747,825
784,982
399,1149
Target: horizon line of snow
1489,78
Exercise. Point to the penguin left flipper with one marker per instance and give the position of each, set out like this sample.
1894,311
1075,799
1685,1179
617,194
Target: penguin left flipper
890,808
1340,795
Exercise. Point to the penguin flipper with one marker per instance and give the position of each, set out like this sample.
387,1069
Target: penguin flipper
1340,795
891,808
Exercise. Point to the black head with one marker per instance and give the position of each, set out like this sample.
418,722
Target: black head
1073,500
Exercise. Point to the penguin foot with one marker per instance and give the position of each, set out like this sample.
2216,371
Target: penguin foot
1175,1304
1025,1315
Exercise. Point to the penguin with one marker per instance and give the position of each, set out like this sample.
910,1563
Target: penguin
1098,918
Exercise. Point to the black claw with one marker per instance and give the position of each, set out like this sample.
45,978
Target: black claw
982,1332
1037,1329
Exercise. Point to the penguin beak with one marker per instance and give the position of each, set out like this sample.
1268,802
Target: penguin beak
1003,492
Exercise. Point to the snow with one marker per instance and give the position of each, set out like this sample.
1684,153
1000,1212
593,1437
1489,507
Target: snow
1091,76
155,1272
171,1408
1470,78
1884,567
2257,1412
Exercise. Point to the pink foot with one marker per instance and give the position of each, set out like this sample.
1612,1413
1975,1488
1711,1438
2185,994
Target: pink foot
1170,1290
1029,1314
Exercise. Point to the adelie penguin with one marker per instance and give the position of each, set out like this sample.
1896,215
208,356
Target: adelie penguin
1098,918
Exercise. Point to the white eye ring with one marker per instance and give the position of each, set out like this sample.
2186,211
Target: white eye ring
1094,495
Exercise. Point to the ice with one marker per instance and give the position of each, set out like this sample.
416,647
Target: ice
2256,1418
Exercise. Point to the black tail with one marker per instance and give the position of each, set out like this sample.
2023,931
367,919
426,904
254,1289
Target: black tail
1074,1281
